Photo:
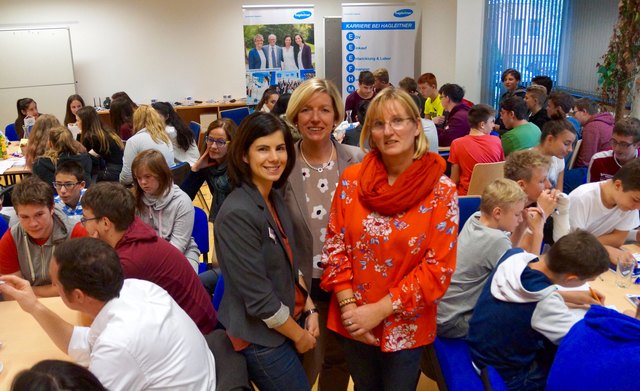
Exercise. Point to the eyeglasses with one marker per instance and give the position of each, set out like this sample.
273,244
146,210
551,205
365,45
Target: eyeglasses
396,124
219,142
83,220
66,185
614,143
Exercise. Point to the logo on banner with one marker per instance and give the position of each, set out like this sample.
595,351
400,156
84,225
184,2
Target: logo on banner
403,13
302,15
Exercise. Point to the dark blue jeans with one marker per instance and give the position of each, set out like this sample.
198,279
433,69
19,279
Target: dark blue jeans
533,378
373,370
276,369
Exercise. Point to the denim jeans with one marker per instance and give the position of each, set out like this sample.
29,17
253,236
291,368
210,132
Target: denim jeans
373,370
533,378
276,369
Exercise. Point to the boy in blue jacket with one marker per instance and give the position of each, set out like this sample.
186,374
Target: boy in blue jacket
520,317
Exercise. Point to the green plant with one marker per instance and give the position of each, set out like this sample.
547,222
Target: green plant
621,63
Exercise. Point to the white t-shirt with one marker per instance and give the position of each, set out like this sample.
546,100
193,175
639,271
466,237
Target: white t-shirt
556,167
143,340
588,213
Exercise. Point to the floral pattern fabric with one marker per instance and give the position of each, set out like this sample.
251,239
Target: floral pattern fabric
409,256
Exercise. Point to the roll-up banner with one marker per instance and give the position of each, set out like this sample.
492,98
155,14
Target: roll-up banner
279,48
377,36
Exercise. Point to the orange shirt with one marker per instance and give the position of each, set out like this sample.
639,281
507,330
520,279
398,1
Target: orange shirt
409,256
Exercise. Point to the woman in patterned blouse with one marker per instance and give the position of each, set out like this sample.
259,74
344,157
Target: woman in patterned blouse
390,247
316,108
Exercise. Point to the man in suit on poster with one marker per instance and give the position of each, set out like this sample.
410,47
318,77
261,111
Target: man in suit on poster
274,53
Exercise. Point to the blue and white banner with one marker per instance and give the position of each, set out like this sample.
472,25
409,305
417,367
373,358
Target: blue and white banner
377,36
279,48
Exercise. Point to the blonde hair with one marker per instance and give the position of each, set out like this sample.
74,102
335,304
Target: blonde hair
306,90
62,141
146,117
538,92
39,136
520,164
501,193
375,113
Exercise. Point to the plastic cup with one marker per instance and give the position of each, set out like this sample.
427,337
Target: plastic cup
624,271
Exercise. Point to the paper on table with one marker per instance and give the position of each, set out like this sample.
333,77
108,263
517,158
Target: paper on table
8,163
583,287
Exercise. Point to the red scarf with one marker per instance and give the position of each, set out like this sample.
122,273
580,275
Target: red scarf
411,187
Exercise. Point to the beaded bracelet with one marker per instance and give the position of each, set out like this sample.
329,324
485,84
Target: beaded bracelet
348,300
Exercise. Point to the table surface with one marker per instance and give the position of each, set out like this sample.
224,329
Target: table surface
24,342
14,147
614,295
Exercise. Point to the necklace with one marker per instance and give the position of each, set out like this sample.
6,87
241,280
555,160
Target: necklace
323,166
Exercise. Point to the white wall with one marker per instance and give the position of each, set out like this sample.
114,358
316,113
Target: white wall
170,49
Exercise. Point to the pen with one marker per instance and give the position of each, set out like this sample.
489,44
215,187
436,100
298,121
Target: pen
595,297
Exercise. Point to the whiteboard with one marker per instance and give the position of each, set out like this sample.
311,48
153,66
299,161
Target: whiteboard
38,64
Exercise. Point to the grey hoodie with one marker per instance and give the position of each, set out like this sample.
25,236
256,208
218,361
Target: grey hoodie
171,216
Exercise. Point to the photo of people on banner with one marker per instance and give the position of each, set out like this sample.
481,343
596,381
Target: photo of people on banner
280,56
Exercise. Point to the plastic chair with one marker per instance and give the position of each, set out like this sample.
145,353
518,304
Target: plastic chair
468,205
482,175
574,155
10,132
236,115
195,128
218,293
201,232
180,172
4,226
455,365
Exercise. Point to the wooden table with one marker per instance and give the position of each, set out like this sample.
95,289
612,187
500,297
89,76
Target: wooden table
11,175
24,342
188,113
615,295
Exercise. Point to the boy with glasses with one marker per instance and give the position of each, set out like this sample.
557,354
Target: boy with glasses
26,248
69,184
624,143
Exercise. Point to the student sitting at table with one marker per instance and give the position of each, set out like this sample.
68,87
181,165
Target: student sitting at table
103,144
467,151
624,142
149,134
522,134
139,338
26,248
529,169
56,375
609,209
481,243
162,205
556,142
62,148
69,184
185,146
39,138
598,353
455,124
520,317
109,215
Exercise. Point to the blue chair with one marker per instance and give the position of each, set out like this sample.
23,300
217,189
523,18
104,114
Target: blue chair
10,132
454,361
4,226
195,128
468,205
236,115
201,233
179,172
218,293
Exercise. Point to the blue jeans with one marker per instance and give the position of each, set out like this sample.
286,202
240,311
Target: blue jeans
373,370
276,369
533,378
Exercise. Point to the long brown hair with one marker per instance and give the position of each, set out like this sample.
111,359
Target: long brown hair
39,136
92,128
155,162
62,142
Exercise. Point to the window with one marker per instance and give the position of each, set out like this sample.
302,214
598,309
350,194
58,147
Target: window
520,34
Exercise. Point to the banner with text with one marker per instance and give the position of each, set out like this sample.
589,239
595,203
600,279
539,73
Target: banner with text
279,48
377,36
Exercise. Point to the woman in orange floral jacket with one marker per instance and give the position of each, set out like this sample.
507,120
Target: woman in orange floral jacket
390,247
